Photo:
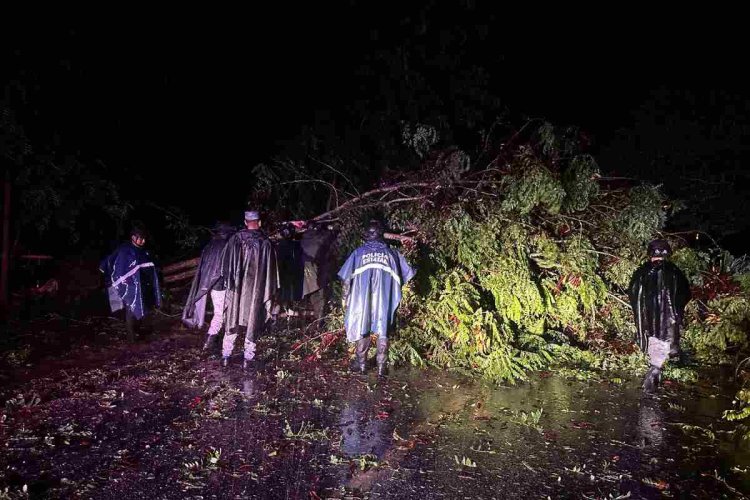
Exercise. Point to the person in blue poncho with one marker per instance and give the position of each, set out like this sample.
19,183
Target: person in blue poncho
132,281
373,276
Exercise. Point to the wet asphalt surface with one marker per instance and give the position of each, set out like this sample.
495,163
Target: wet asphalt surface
161,419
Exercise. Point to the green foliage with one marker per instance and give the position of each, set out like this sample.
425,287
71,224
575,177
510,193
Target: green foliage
579,182
521,270
419,137
724,330
59,198
533,186
600,360
462,335
620,272
65,196
740,414
693,263
643,216
743,280
496,283
680,373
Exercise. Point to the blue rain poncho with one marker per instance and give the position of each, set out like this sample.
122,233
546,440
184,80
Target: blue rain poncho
131,280
375,274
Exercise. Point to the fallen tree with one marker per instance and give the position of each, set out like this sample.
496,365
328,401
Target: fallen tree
523,261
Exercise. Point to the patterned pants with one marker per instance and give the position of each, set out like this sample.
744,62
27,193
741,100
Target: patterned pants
217,300
658,351
228,346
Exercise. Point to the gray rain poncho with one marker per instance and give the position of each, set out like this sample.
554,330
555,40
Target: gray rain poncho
208,277
252,281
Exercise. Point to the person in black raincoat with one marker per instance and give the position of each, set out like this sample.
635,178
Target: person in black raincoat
291,268
132,281
373,276
209,282
252,281
658,293
317,246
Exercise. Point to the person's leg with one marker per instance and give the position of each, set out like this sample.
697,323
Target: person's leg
227,345
249,350
131,324
317,301
382,355
217,301
249,346
658,353
360,354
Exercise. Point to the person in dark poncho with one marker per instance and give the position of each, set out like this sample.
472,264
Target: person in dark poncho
658,293
291,268
252,281
132,281
318,248
373,276
209,282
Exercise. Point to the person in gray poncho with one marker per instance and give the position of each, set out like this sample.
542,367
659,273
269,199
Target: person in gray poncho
209,282
252,281
658,293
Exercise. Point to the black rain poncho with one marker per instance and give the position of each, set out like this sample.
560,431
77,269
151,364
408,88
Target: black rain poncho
658,293
209,276
291,270
317,246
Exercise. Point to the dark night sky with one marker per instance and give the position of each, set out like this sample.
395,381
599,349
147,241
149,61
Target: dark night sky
166,97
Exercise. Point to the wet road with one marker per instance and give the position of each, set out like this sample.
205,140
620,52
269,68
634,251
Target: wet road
162,420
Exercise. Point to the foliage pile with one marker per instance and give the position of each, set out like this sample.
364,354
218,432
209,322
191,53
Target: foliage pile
521,262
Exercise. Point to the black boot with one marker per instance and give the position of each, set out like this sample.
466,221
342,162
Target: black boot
225,362
130,325
360,357
382,356
209,342
248,364
651,382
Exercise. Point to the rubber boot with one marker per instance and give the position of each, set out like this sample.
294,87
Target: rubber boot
208,344
382,356
130,325
360,357
651,382
225,362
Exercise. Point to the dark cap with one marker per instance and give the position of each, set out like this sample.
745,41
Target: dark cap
374,230
659,248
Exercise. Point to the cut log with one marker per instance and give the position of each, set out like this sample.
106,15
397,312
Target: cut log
177,266
398,237
173,278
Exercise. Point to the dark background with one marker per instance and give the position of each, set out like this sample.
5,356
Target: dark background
180,106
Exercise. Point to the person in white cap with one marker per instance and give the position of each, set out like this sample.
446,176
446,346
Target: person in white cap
251,280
